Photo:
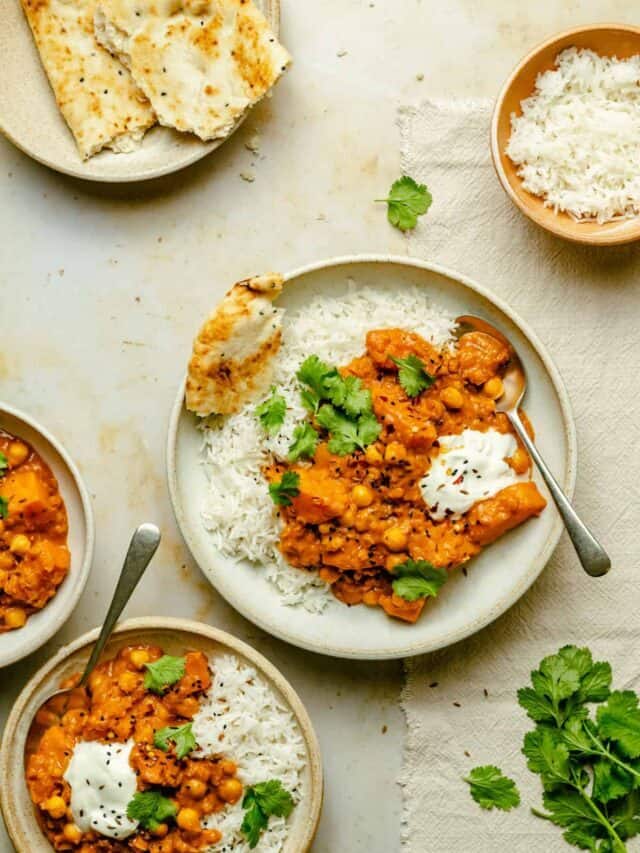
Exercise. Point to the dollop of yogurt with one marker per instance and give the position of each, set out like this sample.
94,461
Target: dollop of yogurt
470,467
102,784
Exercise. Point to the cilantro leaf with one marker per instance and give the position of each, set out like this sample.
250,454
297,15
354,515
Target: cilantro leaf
412,375
610,781
271,413
491,789
253,823
305,441
4,464
260,802
314,372
570,810
406,201
150,809
4,507
619,720
347,435
347,393
369,429
164,672
547,755
595,685
416,579
283,492
182,737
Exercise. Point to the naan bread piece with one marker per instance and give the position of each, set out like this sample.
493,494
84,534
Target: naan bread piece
233,353
95,93
201,63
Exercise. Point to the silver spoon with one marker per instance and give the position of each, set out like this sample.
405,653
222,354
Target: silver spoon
593,558
142,547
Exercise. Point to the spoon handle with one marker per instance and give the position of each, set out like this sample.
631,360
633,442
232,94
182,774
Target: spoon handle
143,546
593,558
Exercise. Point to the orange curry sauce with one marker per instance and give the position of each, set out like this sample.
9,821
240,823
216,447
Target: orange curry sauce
115,707
358,516
34,558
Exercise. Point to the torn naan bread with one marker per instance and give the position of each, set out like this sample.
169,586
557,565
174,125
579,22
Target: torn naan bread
233,353
95,93
201,63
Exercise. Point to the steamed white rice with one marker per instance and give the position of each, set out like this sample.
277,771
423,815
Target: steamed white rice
243,719
238,510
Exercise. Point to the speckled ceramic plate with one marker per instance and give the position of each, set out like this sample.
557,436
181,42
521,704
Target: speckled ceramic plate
41,626
175,636
495,580
29,116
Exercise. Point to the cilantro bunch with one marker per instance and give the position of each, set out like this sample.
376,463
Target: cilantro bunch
339,404
260,802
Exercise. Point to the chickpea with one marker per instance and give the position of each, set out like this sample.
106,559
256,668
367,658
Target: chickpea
229,768
493,388
17,453
371,597
452,397
395,452
72,833
139,657
55,806
349,517
230,790
394,560
189,820
395,538
362,496
373,455
6,560
128,681
362,522
15,617
520,461
196,788
19,544
160,830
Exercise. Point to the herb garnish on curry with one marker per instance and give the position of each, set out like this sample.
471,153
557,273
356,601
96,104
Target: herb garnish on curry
34,558
118,769
404,469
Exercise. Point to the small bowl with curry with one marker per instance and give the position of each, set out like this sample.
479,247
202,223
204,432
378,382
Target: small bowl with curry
46,535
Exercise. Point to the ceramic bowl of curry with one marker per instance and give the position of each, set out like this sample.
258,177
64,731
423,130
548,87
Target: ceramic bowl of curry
118,697
46,535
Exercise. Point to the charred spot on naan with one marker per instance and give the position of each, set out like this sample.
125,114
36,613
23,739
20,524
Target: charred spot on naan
234,350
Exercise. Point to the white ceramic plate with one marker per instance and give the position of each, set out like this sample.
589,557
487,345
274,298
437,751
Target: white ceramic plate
175,636
41,626
496,579
30,118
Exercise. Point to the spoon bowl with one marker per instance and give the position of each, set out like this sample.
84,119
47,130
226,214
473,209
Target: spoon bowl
593,558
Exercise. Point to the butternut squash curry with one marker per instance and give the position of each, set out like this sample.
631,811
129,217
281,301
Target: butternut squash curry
403,471
115,769
34,558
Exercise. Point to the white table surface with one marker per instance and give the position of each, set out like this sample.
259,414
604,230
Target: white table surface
102,289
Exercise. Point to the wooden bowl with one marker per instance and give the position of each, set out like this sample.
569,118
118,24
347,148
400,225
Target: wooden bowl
174,635
617,40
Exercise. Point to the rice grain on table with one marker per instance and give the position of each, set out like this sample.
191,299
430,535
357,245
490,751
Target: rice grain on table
238,510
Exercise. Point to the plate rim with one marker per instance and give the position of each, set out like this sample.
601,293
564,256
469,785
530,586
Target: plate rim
502,605
269,671
89,539
272,13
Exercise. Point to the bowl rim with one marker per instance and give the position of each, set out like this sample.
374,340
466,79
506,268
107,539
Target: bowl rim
548,547
164,624
600,238
81,576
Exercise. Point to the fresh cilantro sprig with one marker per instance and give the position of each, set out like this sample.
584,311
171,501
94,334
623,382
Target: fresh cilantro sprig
260,802
4,464
490,788
314,373
346,434
416,579
271,413
4,507
305,441
162,673
150,809
407,200
282,493
181,736
412,375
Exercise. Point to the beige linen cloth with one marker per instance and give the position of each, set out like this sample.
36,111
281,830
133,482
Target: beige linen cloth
585,306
